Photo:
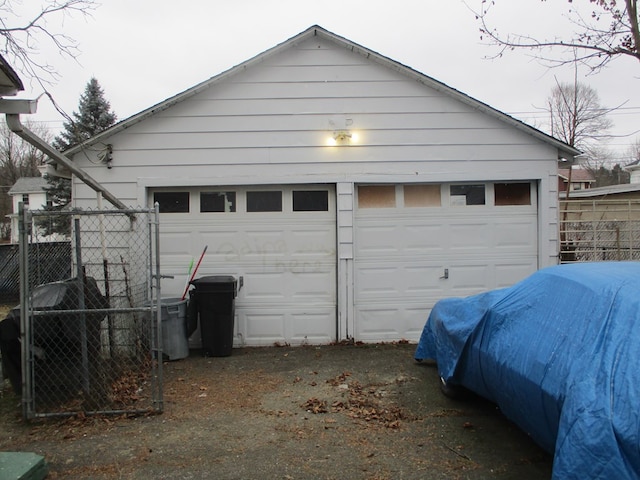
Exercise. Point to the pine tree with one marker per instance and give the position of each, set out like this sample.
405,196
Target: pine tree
94,116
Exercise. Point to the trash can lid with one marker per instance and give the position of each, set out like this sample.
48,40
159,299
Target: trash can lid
217,279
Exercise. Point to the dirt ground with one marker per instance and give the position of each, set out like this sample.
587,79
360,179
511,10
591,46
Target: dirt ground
330,412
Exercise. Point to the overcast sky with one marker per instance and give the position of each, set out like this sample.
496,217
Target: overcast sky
144,51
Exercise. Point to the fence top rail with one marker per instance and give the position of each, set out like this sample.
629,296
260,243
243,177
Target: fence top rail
605,201
75,212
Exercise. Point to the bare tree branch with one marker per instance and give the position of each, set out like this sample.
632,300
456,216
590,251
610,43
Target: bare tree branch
608,32
577,117
21,39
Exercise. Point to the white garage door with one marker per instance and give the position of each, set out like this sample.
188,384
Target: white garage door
281,240
416,244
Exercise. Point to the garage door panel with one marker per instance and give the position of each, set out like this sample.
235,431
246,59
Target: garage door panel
287,260
404,254
471,236
467,279
261,287
268,287
423,239
409,279
313,286
262,246
313,239
309,326
177,242
515,235
374,281
269,326
391,322
399,237
379,322
423,279
261,327
376,240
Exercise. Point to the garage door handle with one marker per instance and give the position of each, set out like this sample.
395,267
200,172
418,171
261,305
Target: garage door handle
446,274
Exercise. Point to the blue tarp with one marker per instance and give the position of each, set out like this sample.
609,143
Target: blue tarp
559,353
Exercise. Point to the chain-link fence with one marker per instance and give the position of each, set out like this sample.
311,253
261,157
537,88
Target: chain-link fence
91,342
599,230
57,252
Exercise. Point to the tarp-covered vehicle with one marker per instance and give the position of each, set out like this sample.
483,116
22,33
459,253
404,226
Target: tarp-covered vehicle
559,353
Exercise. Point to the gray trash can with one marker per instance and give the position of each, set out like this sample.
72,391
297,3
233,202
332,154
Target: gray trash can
174,328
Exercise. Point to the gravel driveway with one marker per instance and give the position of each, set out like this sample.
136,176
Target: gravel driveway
330,412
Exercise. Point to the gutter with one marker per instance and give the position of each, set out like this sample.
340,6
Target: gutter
13,121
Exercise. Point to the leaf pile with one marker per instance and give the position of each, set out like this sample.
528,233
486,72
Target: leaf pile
363,403
127,389
313,405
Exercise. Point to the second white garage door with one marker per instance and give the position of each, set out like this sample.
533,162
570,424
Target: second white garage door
416,244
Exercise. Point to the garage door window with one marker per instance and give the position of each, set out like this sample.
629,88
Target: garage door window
512,194
377,196
270,201
172,202
422,196
310,201
462,195
217,202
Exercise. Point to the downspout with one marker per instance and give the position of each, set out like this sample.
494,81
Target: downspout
13,121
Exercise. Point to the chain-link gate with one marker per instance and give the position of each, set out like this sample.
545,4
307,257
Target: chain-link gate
599,230
92,343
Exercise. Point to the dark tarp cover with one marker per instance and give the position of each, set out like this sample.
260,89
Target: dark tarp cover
559,353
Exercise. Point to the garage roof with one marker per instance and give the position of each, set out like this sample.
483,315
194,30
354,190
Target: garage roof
564,149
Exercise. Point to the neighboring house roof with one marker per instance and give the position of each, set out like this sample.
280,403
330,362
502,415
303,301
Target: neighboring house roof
633,165
603,191
10,83
28,185
565,149
577,175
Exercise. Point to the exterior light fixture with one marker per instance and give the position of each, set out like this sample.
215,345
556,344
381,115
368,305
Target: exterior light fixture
342,136
340,127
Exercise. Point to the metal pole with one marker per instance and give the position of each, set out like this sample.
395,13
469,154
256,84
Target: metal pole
153,225
24,227
105,270
81,306
13,121
158,304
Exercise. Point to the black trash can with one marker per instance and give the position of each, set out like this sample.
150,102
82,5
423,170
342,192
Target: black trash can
58,335
214,298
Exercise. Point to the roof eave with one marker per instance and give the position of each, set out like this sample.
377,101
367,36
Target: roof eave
10,83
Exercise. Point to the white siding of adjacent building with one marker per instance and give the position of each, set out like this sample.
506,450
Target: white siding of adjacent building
36,201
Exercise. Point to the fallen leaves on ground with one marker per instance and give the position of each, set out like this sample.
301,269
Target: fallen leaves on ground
313,405
363,403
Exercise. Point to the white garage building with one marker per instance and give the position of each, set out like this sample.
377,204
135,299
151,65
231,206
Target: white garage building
348,191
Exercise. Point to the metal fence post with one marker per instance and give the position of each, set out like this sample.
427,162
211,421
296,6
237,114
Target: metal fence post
24,229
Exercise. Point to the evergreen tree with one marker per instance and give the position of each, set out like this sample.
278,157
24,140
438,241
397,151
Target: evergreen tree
94,116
